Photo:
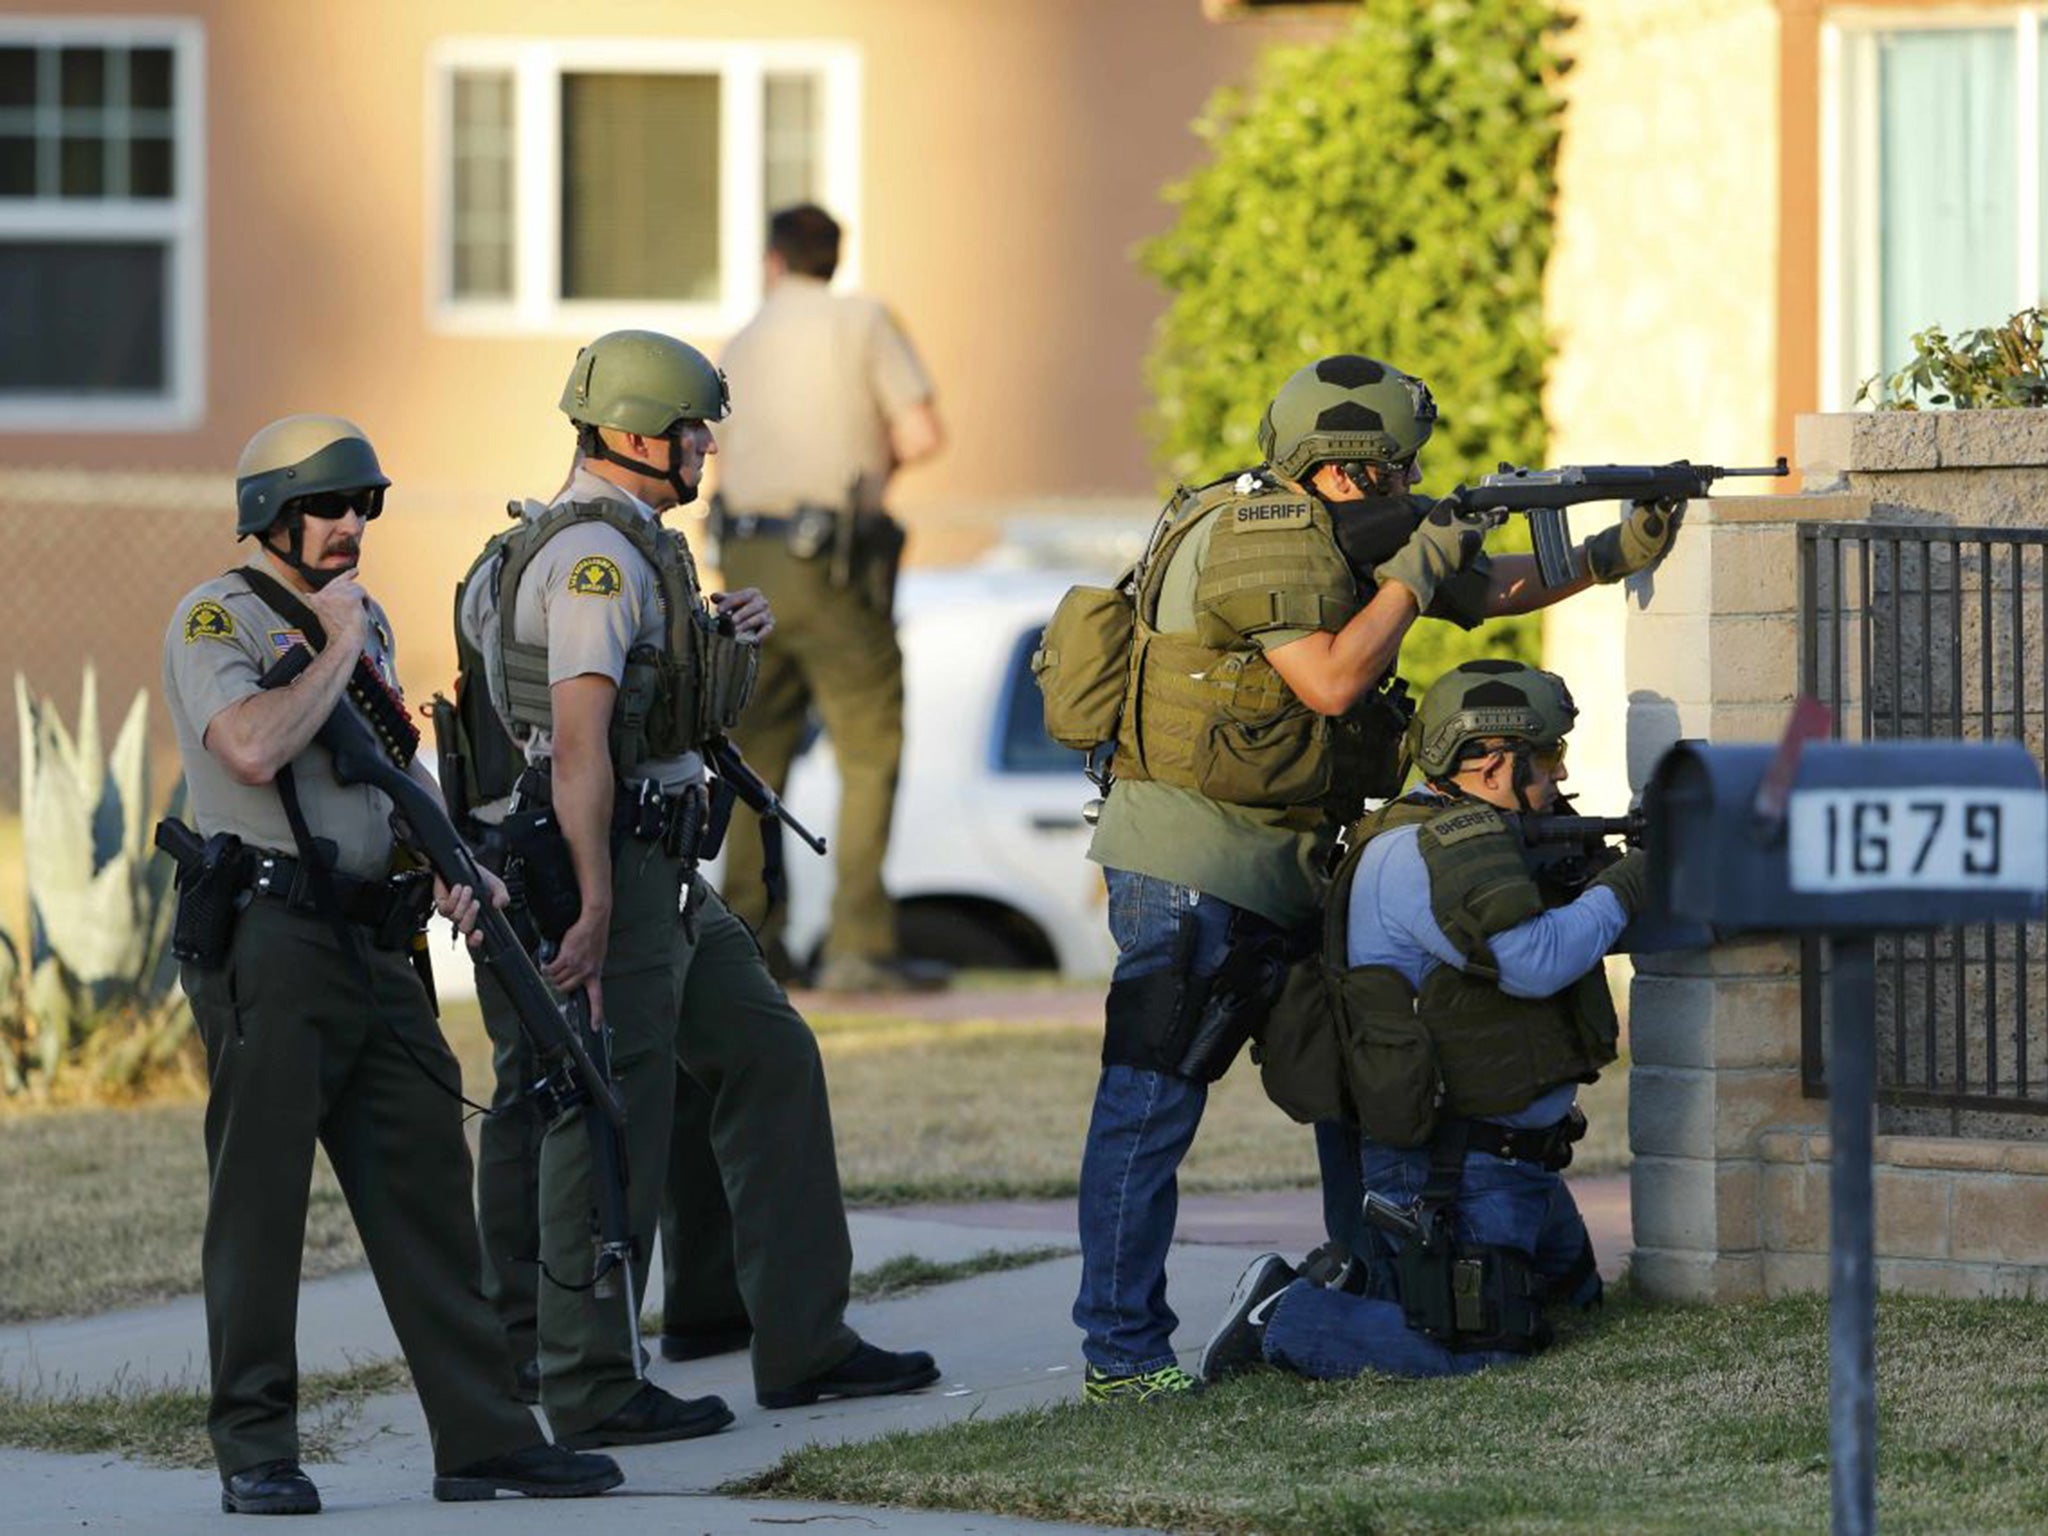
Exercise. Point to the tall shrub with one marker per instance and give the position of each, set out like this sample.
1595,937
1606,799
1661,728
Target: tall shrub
1388,192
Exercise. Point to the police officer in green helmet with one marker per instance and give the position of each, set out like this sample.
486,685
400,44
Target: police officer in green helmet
293,926
1460,958
1251,670
610,667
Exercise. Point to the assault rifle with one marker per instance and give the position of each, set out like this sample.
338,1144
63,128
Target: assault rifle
570,1073
1543,495
739,783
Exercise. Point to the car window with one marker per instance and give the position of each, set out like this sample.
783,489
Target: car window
1021,744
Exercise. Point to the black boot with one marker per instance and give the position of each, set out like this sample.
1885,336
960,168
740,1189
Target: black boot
867,1372
269,1488
651,1416
538,1471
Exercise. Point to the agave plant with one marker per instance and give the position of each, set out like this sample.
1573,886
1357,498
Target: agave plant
100,902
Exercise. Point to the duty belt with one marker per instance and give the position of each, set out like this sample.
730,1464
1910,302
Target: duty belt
384,906
1548,1146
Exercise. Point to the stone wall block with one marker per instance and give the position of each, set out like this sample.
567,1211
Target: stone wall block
1750,1100
1991,439
1912,1214
1737,958
1671,1112
1845,442
1666,658
1795,1208
1671,1021
1755,569
1682,1274
1789,1274
1922,1277
1738,1206
1753,659
1672,1202
2000,1217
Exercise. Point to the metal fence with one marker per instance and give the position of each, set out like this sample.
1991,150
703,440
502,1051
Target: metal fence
1918,632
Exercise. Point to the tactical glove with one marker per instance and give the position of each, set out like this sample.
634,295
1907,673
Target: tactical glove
1635,543
1629,878
1443,545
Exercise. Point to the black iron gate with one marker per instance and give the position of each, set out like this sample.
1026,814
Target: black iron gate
1919,631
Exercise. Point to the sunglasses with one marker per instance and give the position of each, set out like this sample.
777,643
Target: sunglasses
1548,759
365,502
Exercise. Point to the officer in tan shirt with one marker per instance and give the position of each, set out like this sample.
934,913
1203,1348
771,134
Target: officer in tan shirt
316,1028
836,402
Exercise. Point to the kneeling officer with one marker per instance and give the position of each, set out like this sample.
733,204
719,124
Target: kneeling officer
1473,1007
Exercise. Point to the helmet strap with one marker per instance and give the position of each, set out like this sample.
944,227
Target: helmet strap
590,441
294,552
1523,776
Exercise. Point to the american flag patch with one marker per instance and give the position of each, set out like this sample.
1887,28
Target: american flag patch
282,640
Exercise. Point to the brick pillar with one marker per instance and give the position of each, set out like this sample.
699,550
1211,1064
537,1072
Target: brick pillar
1713,651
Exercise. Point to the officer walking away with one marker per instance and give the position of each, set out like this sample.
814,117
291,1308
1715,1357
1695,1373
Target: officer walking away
1462,957
1262,710
608,664
293,932
837,402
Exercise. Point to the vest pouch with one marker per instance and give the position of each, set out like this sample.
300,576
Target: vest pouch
1262,746
1390,1061
730,667
1299,1051
1083,665
640,713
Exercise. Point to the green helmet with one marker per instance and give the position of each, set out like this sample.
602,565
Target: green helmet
1487,699
644,382
1346,409
300,456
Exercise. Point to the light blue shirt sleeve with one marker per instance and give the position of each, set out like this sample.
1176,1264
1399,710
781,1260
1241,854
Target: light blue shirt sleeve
1550,952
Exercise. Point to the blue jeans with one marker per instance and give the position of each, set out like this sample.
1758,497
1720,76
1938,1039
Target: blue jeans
1142,1126
1332,1335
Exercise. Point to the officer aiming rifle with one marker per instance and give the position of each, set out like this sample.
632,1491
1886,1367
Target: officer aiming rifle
1542,495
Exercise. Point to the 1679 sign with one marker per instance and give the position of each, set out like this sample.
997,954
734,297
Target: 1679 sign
1923,838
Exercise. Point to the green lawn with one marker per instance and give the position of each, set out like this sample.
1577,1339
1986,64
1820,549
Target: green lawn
1686,1420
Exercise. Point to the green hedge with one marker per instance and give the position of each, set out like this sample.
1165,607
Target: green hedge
1387,192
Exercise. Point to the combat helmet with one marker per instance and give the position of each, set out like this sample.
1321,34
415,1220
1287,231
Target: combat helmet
1346,409
303,456
645,383
1488,700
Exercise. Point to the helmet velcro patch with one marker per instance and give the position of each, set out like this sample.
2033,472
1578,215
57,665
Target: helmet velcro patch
595,576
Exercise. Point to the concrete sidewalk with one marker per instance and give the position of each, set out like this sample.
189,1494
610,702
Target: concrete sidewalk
1003,1340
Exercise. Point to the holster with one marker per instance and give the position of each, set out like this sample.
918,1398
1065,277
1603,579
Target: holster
1471,1296
1193,1026
539,875
212,882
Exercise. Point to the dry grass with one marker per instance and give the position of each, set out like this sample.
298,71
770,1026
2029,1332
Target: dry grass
105,1206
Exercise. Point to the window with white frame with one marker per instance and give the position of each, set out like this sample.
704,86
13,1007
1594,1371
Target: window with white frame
101,286
583,183
1932,142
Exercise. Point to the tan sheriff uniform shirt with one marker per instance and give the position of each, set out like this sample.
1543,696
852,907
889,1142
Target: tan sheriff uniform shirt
590,597
222,638
816,379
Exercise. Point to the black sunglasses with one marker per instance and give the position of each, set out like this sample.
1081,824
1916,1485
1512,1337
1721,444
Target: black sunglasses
366,502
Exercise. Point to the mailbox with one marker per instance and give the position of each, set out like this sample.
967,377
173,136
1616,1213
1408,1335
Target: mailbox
1875,835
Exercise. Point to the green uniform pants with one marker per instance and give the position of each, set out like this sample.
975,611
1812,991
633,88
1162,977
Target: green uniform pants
508,1175
832,650
297,1052
705,1005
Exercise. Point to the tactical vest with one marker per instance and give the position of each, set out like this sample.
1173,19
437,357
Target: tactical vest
671,699
1360,1042
1205,710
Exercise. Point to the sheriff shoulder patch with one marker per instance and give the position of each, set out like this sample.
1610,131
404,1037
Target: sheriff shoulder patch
1457,826
207,620
1273,514
594,576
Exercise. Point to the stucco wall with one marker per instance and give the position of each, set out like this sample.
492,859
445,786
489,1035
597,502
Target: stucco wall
1660,291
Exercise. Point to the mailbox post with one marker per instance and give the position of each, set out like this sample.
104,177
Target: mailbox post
1849,840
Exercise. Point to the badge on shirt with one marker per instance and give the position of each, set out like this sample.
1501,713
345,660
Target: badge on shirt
282,640
594,576
207,620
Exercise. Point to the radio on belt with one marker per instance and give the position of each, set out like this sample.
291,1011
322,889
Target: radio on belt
1848,840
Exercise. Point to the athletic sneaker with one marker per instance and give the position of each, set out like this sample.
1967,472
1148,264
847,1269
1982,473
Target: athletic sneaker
1238,1343
1099,1386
